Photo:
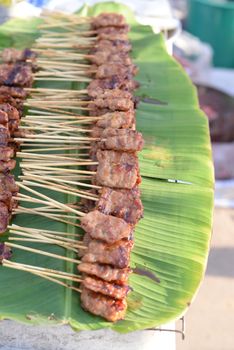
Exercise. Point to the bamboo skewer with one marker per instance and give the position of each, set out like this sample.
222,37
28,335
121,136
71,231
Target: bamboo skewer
42,231
56,179
50,200
59,170
52,90
47,215
42,252
47,235
41,272
59,188
48,156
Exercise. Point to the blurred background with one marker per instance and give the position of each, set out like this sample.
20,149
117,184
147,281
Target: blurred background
200,35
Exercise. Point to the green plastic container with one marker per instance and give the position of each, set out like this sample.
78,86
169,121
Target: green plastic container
213,22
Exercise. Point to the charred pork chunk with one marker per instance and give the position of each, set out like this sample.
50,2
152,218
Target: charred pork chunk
11,111
117,254
6,153
4,135
5,252
3,117
11,55
117,120
118,139
112,46
121,140
101,57
18,74
113,36
112,104
11,118
86,240
97,86
4,217
8,188
103,227
110,289
111,203
106,272
101,305
109,70
7,166
113,30
7,182
115,94
15,92
14,102
109,20
117,169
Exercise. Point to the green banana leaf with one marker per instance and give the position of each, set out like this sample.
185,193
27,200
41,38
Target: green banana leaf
172,240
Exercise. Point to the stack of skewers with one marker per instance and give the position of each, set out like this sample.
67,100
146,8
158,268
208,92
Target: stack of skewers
92,157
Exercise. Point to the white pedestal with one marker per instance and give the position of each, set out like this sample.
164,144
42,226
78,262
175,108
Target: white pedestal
15,336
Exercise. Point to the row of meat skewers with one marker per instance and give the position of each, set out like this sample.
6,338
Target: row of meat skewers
104,144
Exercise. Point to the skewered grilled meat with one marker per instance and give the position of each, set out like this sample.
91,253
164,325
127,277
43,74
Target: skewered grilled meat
13,126
97,86
109,20
112,46
110,289
115,93
101,305
15,92
107,228
5,252
11,55
108,70
111,203
117,169
4,217
112,104
113,30
86,240
113,36
11,111
96,132
97,111
126,140
16,75
8,189
3,117
14,102
4,135
10,117
7,182
117,254
101,57
117,120
121,140
6,153
106,272
7,166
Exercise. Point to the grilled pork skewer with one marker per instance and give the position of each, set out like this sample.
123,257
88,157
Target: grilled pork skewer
110,252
